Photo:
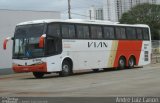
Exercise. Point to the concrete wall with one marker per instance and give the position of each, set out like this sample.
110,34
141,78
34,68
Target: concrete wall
8,21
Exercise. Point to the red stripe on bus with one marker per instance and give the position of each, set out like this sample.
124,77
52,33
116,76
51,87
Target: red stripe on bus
34,68
127,48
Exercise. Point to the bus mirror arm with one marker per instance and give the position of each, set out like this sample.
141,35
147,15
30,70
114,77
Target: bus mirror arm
41,41
5,42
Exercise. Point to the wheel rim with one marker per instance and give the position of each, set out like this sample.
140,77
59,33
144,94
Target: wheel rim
66,68
131,62
122,63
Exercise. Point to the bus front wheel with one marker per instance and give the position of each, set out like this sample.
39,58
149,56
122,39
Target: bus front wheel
95,70
38,74
66,69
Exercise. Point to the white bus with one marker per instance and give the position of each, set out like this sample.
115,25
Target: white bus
63,46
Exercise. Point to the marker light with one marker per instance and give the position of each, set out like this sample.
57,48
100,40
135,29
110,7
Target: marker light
5,42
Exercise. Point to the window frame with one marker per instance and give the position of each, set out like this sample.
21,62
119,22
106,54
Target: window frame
102,26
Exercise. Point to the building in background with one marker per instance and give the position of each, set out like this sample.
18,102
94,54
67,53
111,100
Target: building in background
95,13
8,21
113,9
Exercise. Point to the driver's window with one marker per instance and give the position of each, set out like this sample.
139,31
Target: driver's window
53,46
53,40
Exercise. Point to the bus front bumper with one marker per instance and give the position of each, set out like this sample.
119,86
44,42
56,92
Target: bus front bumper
33,68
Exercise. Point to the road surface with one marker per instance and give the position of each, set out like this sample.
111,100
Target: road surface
130,82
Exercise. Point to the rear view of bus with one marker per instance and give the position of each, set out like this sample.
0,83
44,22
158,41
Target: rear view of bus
62,46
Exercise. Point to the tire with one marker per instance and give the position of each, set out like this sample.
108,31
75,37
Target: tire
38,74
95,70
122,63
66,69
131,62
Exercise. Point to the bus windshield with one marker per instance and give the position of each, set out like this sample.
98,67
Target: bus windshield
26,41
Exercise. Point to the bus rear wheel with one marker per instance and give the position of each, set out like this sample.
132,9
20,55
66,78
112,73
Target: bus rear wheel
131,62
122,63
66,69
38,74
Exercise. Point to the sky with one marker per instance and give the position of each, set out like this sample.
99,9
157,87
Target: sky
77,6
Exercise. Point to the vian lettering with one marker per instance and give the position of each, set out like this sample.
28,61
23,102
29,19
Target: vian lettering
97,44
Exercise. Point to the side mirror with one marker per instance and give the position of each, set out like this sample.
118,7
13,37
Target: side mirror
12,38
5,42
41,41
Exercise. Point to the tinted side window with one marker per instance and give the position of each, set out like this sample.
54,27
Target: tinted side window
131,33
53,30
109,33
68,31
146,34
139,34
82,32
120,33
96,32
53,45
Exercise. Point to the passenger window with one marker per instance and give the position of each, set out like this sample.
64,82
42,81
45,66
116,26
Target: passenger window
82,32
68,31
120,33
96,32
53,30
131,33
65,31
139,33
109,33
146,34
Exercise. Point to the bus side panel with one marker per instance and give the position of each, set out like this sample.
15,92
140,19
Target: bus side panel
91,60
127,48
88,54
112,54
54,63
145,56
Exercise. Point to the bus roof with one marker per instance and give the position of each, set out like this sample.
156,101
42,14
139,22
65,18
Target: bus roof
81,21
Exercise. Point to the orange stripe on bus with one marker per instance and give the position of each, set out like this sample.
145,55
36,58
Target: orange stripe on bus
34,68
127,48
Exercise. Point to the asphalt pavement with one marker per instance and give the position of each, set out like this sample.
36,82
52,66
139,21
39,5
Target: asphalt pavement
110,83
